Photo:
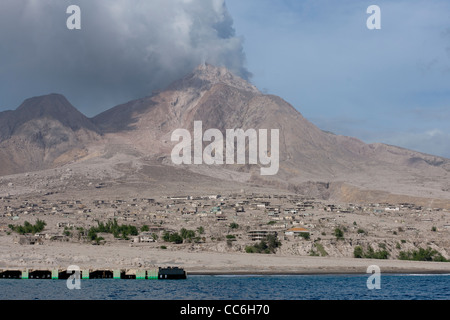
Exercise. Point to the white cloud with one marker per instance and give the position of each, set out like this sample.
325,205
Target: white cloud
435,141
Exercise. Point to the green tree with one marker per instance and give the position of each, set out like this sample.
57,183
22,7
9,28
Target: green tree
187,234
200,230
338,233
304,235
358,252
166,236
176,238
273,243
92,234
234,225
251,249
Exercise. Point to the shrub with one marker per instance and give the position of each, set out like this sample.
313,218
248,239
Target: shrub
372,254
92,234
201,230
304,235
359,253
268,245
381,254
234,225
422,254
338,233
166,236
251,249
175,238
187,234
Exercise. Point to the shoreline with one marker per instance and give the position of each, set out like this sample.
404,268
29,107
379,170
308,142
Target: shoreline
336,273
61,256
281,273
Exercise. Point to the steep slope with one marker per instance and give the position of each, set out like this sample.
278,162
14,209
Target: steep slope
223,101
47,131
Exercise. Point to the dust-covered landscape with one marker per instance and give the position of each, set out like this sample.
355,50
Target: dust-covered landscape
336,204
228,155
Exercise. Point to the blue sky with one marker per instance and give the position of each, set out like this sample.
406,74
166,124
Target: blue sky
390,85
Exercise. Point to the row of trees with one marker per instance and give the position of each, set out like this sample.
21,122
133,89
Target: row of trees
112,227
370,253
422,254
28,227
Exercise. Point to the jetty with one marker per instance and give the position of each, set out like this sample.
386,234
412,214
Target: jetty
169,273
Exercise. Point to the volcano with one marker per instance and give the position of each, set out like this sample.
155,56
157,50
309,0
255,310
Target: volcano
48,132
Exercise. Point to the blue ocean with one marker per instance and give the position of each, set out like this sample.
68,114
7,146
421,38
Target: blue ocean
307,287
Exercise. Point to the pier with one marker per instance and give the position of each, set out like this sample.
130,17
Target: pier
170,273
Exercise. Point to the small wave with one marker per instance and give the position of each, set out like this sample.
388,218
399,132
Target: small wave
240,275
428,274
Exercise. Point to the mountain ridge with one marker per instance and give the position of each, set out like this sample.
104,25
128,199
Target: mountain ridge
142,128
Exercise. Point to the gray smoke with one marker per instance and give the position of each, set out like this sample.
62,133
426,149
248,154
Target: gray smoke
124,50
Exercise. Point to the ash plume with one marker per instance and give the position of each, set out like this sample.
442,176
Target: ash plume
124,50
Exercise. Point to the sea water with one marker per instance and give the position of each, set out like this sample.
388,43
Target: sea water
307,287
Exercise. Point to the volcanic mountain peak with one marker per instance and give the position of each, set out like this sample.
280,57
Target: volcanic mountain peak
206,75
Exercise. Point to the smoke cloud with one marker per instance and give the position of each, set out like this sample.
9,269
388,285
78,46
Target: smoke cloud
124,50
